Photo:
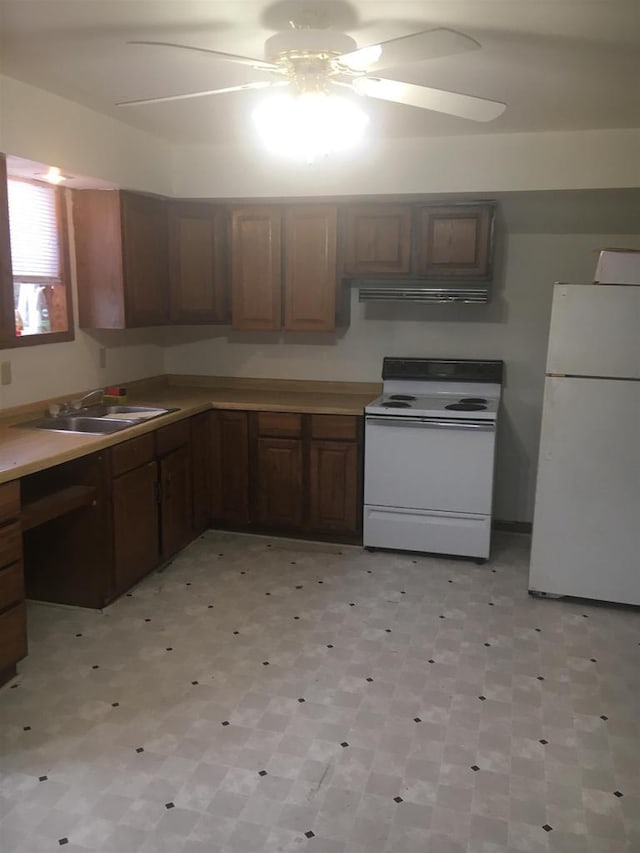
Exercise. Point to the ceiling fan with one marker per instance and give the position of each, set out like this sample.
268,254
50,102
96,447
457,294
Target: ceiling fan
321,60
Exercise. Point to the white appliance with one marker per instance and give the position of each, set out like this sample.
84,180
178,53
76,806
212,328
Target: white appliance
586,530
429,456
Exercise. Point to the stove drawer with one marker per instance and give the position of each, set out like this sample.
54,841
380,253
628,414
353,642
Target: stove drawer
430,532
444,466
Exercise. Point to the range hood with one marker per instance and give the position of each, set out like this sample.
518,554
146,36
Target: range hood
415,290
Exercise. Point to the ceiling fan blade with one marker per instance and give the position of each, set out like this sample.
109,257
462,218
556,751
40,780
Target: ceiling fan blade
216,54
262,84
426,98
408,49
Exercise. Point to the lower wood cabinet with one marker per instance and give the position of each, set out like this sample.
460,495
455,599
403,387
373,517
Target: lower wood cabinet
283,471
13,624
176,528
201,474
230,467
333,486
136,526
279,481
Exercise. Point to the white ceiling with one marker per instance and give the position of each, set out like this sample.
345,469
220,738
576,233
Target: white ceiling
558,64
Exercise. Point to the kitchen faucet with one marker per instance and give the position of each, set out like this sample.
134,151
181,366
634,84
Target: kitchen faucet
74,405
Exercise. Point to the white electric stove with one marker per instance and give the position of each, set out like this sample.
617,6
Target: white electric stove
429,456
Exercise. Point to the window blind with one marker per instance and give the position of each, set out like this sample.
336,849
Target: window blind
33,228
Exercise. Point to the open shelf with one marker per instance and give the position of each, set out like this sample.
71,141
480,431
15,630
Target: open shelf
54,505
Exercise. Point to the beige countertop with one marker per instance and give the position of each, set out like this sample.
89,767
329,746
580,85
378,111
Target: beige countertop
24,450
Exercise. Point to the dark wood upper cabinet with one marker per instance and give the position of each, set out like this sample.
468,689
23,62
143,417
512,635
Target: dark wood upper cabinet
256,276
199,288
121,242
230,467
310,237
377,239
454,241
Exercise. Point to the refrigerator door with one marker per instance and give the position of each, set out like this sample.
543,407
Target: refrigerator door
595,331
586,530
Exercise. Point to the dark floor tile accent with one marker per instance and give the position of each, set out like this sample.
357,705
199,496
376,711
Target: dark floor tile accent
224,723
344,744
44,779
26,728
441,616
482,698
543,742
78,635
195,682
62,841
267,593
351,604
296,618
329,646
169,805
388,630
320,581
302,699
398,800
147,620
603,717
431,660
487,644
402,592
369,679
262,772
188,583
236,632
593,660
546,827
265,663
209,606
95,666
475,768
169,649
540,677
491,604
310,834
115,704
139,749
417,720
538,629
298,587
615,793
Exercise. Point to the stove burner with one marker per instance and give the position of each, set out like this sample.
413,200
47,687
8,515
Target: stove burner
396,404
472,400
402,397
465,407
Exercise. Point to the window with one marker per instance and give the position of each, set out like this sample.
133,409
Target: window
39,308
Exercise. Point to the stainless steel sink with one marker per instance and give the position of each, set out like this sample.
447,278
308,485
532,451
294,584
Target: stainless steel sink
98,420
81,423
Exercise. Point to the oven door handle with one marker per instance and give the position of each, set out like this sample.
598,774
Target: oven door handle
402,420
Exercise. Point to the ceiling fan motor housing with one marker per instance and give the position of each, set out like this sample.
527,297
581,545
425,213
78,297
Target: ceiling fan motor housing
308,56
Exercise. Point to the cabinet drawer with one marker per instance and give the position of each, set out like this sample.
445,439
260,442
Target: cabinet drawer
10,543
132,454
13,636
341,427
170,437
9,500
11,586
279,424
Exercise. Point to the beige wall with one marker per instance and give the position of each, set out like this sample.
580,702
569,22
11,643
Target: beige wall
513,327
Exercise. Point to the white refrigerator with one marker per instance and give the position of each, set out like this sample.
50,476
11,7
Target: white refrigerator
586,527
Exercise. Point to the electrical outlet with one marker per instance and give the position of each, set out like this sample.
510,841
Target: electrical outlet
5,373
102,357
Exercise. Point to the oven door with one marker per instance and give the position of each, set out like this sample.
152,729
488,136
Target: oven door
438,464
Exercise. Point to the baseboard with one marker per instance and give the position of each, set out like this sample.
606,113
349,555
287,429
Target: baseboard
513,526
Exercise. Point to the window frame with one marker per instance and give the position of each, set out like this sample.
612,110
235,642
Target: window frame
8,337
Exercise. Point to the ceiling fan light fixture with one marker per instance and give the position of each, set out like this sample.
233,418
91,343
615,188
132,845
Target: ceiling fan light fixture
309,125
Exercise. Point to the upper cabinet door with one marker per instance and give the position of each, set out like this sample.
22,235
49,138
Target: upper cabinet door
145,259
256,276
455,241
197,264
310,268
377,240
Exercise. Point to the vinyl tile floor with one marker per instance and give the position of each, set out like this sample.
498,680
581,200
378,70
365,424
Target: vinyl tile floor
263,695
